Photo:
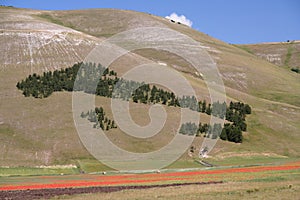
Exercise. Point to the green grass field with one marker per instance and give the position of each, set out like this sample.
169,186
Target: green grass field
34,171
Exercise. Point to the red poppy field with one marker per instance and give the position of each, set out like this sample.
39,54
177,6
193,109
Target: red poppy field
68,184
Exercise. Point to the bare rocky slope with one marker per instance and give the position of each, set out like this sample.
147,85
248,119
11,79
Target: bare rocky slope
41,131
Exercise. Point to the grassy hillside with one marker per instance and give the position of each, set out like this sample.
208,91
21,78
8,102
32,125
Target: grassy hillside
285,54
41,131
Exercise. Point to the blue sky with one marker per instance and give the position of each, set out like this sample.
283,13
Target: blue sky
233,21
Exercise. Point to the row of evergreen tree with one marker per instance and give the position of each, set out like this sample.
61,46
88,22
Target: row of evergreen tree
42,86
109,85
229,132
99,119
92,78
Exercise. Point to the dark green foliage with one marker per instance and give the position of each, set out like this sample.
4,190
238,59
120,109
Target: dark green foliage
202,128
189,102
232,133
216,131
143,93
42,86
99,119
229,132
223,135
208,109
203,106
219,109
92,78
297,70
241,107
209,131
188,129
236,113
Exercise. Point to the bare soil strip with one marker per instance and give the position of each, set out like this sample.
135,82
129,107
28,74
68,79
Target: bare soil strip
49,193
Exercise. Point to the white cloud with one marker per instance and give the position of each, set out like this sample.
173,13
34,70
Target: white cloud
182,19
